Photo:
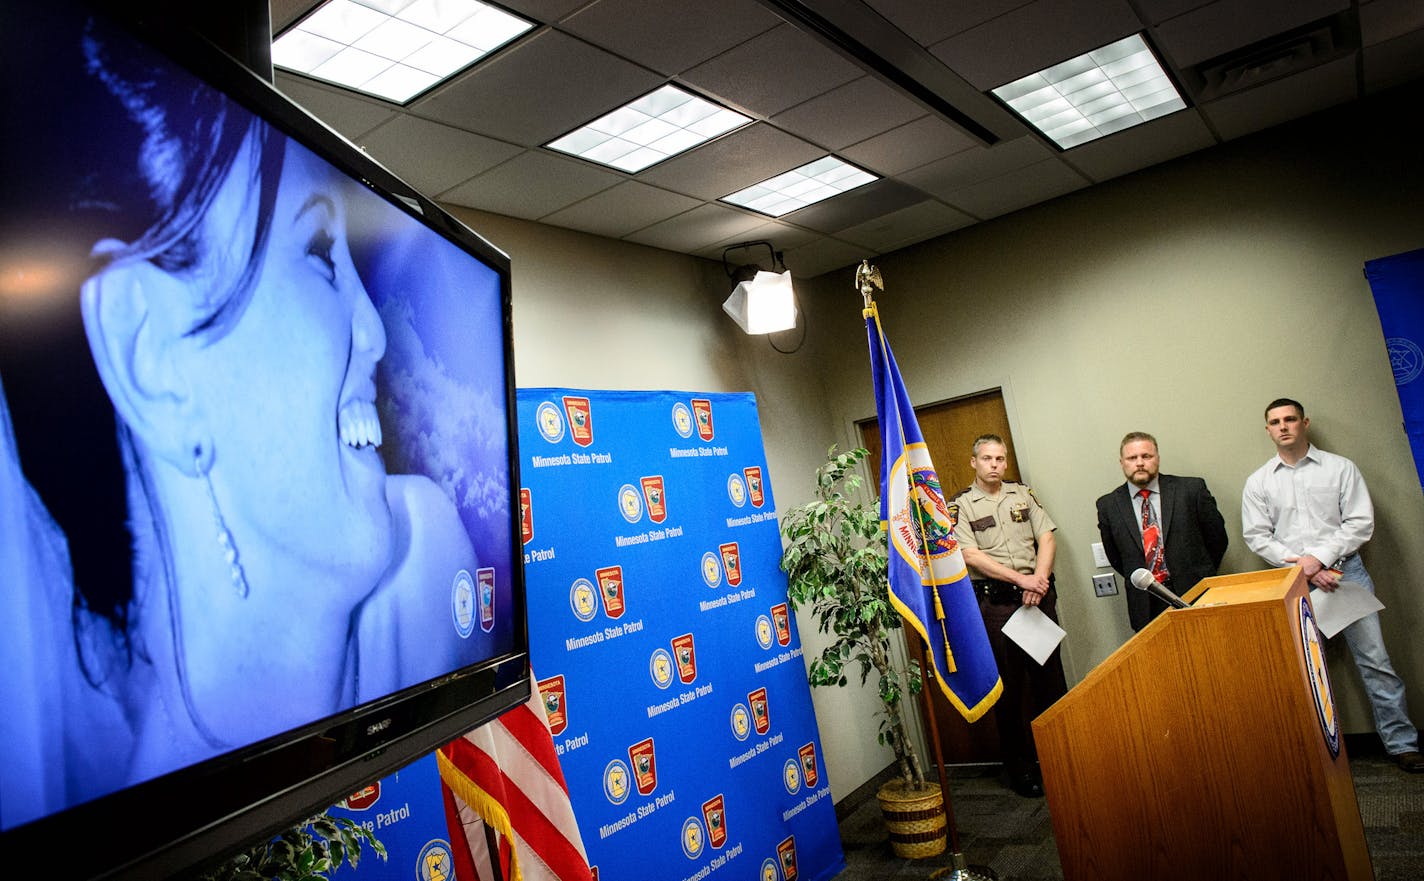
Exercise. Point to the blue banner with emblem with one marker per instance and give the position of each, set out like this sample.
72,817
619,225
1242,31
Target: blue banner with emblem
929,583
1398,286
669,662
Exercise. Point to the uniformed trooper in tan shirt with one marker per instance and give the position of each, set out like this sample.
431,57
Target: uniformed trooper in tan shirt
1007,540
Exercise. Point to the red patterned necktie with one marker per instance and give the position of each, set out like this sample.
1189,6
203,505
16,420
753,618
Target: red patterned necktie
1152,539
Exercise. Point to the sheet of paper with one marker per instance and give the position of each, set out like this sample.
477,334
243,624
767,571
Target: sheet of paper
1034,632
1338,609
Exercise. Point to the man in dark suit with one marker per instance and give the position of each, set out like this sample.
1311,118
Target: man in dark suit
1165,524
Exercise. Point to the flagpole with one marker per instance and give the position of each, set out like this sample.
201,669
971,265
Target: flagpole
867,281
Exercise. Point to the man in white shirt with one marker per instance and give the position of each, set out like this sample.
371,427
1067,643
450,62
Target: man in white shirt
1310,508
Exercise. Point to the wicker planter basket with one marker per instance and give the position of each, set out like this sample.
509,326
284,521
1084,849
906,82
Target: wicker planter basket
915,819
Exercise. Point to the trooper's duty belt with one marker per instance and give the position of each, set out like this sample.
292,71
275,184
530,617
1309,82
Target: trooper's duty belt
1001,592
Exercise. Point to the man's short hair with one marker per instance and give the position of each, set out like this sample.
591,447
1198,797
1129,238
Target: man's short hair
1286,402
1135,436
983,439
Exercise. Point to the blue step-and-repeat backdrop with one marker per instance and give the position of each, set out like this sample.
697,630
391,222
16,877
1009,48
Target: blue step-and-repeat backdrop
667,657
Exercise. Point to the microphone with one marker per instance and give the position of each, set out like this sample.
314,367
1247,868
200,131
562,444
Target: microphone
1143,580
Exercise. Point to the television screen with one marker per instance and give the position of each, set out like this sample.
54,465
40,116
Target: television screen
257,457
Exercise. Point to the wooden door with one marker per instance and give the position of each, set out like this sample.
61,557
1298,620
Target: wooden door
949,430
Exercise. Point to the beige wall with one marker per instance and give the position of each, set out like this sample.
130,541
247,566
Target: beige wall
1179,301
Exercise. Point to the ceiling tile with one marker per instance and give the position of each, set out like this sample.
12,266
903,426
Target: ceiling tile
338,108
909,146
856,206
620,210
929,23
1225,25
771,72
853,112
906,226
977,164
782,236
1027,186
537,90
532,185
670,36
697,228
1382,20
446,156
1152,142
826,255
542,10
1282,100
732,162
1393,62
1032,37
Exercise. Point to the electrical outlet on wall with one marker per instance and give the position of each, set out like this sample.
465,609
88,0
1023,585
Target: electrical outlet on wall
1105,585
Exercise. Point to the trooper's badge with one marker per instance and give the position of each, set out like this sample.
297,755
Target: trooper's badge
1019,512
761,714
551,692
645,766
685,654
580,420
753,476
731,562
653,494
715,816
807,755
702,416
781,617
610,590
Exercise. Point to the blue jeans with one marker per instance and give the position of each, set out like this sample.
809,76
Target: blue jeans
1382,684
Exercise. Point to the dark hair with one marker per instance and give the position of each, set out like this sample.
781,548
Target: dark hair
166,148
987,439
1135,436
1285,402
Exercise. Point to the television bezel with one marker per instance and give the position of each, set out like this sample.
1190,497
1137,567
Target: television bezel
200,814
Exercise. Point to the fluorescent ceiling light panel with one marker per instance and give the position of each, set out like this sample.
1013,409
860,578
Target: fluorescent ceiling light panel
394,49
654,127
822,179
1116,87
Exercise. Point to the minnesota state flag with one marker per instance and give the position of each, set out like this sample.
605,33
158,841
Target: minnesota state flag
929,584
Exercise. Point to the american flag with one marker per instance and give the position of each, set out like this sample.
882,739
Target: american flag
506,775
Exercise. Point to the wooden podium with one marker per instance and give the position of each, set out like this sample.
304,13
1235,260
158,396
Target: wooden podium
1199,749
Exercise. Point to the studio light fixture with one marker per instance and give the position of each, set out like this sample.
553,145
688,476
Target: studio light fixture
394,49
763,301
661,124
1104,91
799,187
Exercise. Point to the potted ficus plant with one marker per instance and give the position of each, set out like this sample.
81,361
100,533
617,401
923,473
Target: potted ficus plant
309,850
836,561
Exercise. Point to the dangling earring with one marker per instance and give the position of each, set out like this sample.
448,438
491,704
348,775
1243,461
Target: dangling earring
239,578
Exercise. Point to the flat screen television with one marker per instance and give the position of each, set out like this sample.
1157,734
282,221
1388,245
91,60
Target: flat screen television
258,466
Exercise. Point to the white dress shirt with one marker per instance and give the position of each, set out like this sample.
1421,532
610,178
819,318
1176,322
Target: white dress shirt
1319,506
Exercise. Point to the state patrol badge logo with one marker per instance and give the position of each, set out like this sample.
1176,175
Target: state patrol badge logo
737,490
610,584
807,754
711,569
592,873
526,515
791,776
630,503
731,562
550,422
485,578
692,838
781,617
686,657
435,861
761,714
918,520
580,420
645,766
616,783
660,668
764,636
1319,678
583,598
1405,359
462,603
741,722
768,871
363,798
655,497
681,419
714,814
551,692
702,416
753,476
786,854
